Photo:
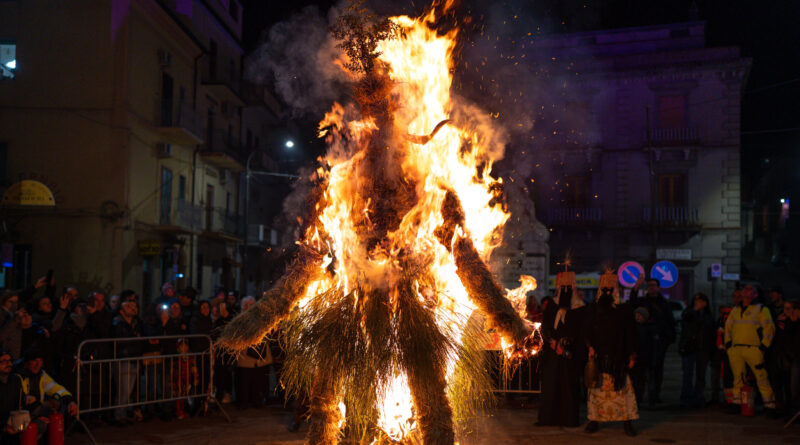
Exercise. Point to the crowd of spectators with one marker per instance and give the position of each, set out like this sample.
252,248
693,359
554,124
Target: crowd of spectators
754,342
40,335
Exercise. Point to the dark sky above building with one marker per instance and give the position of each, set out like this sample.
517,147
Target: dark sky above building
768,31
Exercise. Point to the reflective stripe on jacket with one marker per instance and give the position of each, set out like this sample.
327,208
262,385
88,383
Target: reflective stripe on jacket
751,326
47,387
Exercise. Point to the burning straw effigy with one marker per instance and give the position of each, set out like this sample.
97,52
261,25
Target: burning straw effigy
379,306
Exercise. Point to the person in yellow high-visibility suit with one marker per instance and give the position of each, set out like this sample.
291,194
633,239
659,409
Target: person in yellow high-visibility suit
749,331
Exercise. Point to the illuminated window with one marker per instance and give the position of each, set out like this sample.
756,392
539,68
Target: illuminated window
8,60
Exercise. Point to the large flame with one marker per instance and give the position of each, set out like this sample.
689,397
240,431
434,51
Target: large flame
419,61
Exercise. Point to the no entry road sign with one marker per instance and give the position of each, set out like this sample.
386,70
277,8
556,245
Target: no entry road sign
666,273
629,272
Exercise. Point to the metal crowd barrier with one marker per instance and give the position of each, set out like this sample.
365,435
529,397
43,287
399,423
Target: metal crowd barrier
520,378
108,381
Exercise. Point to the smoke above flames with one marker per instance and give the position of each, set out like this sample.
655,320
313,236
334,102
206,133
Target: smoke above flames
502,69
297,57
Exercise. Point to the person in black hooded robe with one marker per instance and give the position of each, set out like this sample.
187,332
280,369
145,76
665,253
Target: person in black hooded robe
612,340
562,356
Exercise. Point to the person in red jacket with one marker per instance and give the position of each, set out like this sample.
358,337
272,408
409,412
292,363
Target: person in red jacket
184,376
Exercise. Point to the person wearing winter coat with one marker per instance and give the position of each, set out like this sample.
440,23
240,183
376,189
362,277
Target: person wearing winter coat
696,346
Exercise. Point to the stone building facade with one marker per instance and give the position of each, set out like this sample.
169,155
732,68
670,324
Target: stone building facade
640,157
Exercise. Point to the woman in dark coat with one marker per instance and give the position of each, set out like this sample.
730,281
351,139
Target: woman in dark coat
696,346
563,356
74,331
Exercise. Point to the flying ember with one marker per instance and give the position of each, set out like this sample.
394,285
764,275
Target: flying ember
383,306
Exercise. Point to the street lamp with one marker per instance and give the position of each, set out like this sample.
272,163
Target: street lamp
289,143
248,174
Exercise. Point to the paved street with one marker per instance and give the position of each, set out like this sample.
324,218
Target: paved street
511,423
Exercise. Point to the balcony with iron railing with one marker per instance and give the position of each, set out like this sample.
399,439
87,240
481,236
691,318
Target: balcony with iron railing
223,150
179,124
182,217
560,216
677,217
678,136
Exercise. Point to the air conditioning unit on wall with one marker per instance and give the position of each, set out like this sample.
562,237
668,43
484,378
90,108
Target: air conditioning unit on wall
164,150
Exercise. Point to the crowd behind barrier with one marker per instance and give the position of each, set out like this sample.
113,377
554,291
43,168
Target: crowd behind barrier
106,359
158,382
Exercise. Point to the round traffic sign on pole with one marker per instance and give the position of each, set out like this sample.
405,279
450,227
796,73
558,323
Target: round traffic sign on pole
629,273
666,273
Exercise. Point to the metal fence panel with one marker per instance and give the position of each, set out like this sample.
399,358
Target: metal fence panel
108,379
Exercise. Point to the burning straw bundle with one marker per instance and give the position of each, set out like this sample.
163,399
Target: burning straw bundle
369,304
251,326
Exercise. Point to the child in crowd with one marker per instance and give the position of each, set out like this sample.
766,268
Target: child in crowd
184,376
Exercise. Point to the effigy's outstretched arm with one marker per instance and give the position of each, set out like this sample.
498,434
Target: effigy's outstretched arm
250,327
481,286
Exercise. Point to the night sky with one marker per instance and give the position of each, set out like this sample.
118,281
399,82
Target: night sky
767,31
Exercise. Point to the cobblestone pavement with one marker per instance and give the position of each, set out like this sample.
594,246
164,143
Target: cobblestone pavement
511,423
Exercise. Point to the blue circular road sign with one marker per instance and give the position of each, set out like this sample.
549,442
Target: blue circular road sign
666,273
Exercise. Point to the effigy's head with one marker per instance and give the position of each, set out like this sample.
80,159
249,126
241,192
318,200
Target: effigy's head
384,187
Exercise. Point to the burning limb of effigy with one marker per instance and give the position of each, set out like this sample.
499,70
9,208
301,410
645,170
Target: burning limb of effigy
378,306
